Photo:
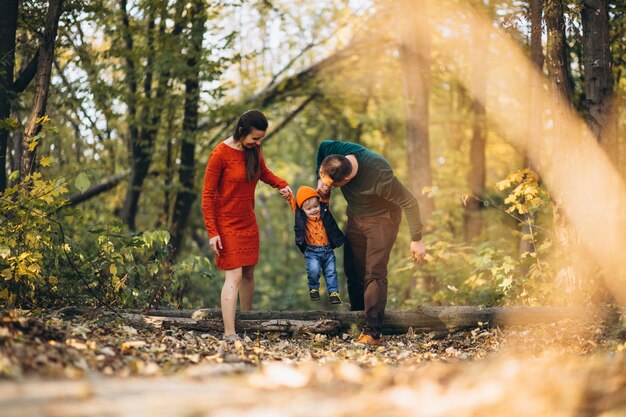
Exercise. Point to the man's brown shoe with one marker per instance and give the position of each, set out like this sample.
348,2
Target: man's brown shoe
366,339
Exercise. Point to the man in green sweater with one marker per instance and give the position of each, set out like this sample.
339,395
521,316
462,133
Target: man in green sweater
375,200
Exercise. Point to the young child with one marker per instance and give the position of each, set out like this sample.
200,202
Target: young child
317,234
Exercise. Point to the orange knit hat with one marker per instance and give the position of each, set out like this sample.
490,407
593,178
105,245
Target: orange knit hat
304,193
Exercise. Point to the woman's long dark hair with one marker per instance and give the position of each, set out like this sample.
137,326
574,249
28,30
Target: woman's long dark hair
252,119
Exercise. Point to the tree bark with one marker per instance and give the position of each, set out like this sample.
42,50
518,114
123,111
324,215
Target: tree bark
415,66
27,74
535,110
423,319
477,174
44,70
143,132
137,148
597,64
273,325
556,58
186,195
8,28
571,268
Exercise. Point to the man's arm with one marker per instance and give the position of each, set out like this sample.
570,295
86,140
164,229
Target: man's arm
391,189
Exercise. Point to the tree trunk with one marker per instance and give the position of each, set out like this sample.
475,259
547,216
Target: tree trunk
424,319
570,266
557,62
143,132
8,28
138,148
477,173
274,325
535,111
415,67
186,195
597,63
44,69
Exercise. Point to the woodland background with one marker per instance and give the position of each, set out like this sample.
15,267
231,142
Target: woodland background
110,109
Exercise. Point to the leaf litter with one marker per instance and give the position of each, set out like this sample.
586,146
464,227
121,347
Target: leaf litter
565,368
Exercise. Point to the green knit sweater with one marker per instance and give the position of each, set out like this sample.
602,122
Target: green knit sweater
375,189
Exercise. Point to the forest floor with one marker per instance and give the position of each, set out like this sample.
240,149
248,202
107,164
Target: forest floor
100,365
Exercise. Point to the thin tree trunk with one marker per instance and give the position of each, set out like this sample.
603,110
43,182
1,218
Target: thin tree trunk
129,210
8,28
415,64
16,146
169,167
186,195
142,140
598,75
477,173
535,112
570,268
557,62
44,70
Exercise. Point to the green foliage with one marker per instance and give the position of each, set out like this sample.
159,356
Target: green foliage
52,255
492,271
29,240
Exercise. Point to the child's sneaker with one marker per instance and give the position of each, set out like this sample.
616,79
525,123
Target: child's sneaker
314,295
334,298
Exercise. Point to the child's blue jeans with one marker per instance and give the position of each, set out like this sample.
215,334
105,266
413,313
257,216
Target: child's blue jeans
318,259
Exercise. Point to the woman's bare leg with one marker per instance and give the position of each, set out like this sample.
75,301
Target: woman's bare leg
246,289
230,290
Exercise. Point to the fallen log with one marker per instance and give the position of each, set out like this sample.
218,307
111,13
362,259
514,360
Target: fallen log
276,325
422,319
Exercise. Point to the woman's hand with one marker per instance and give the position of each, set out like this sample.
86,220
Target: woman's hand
285,192
216,244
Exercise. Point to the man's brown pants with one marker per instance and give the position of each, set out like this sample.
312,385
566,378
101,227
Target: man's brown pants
369,243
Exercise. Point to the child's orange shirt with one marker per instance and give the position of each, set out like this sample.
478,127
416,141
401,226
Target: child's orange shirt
315,234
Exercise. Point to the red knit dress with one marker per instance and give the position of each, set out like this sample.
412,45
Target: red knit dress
228,206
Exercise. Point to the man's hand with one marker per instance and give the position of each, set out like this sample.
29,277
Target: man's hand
216,244
322,189
418,250
285,192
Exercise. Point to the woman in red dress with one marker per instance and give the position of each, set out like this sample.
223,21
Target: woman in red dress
232,173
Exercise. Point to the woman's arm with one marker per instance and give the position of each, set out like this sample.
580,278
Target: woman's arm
212,176
269,178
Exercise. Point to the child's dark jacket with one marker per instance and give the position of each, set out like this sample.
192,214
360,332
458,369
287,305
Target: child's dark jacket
335,235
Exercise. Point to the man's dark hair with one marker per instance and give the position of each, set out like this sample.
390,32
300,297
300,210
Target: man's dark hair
252,119
337,167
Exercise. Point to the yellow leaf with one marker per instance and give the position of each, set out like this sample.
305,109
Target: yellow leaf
46,161
33,145
4,294
43,119
113,270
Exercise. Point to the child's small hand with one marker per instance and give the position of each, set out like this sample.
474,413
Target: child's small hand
285,192
323,190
